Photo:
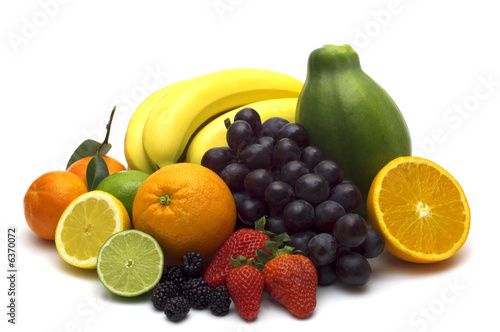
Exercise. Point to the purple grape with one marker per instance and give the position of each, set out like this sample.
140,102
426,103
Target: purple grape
299,215
312,188
350,230
295,132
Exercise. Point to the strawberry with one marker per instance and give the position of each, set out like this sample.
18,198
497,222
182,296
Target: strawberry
243,242
245,283
290,279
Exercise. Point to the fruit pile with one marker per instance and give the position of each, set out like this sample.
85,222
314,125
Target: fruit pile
246,181
273,172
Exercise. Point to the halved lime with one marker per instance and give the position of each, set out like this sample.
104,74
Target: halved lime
130,263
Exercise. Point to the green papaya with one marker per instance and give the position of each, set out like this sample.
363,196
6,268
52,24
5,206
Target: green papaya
351,118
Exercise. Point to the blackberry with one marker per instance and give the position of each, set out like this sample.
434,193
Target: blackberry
176,308
173,273
196,291
219,301
162,292
193,265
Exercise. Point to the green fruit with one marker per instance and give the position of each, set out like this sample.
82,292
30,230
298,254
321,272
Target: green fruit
124,185
350,117
130,263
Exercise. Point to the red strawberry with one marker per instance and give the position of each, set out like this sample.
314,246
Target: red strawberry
290,279
245,283
243,242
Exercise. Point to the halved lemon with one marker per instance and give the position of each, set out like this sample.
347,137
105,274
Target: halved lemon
86,224
420,210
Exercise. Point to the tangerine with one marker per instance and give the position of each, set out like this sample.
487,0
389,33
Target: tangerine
79,167
47,198
185,207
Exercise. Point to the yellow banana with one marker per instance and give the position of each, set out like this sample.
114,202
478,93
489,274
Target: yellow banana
134,151
214,134
174,120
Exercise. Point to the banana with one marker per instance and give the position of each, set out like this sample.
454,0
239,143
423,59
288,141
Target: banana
214,134
175,119
134,152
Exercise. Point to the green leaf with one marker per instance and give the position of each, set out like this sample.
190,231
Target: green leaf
88,148
97,170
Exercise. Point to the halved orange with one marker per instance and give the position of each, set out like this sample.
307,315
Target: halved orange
420,210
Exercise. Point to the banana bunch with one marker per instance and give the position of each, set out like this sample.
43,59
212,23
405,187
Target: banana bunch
214,134
164,128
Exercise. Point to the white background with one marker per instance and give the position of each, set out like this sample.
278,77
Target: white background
65,64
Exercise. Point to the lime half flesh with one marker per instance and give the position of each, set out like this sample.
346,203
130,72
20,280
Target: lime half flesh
130,263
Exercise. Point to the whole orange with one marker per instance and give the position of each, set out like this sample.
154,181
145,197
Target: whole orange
79,167
185,207
47,198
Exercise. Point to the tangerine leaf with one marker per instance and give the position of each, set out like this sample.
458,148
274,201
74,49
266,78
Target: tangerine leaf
88,148
97,170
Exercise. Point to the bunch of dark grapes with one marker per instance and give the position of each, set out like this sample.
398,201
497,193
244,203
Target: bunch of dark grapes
272,171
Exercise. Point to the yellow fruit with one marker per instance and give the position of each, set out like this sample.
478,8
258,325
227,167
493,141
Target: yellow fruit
86,224
420,210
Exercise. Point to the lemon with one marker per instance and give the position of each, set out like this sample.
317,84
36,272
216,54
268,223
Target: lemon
130,263
124,186
88,221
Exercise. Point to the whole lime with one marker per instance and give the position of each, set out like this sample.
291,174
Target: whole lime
124,185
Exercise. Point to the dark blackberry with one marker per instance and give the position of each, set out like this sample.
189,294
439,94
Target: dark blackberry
219,301
162,292
193,265
196,291
173,273
176,308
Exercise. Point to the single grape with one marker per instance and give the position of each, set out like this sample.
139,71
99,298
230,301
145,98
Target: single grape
239,135
293,170
268,142
322,249
285,151
276,224
298,215
312,188
251,116
311,156
272,126
295,132
239,196
326,274
234,176
347,194
257,181
326,215
216,159
300,240
331,171
353,269
350,230
278,194
257,156
373,245
252,209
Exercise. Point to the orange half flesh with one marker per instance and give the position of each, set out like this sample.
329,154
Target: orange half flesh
420,210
